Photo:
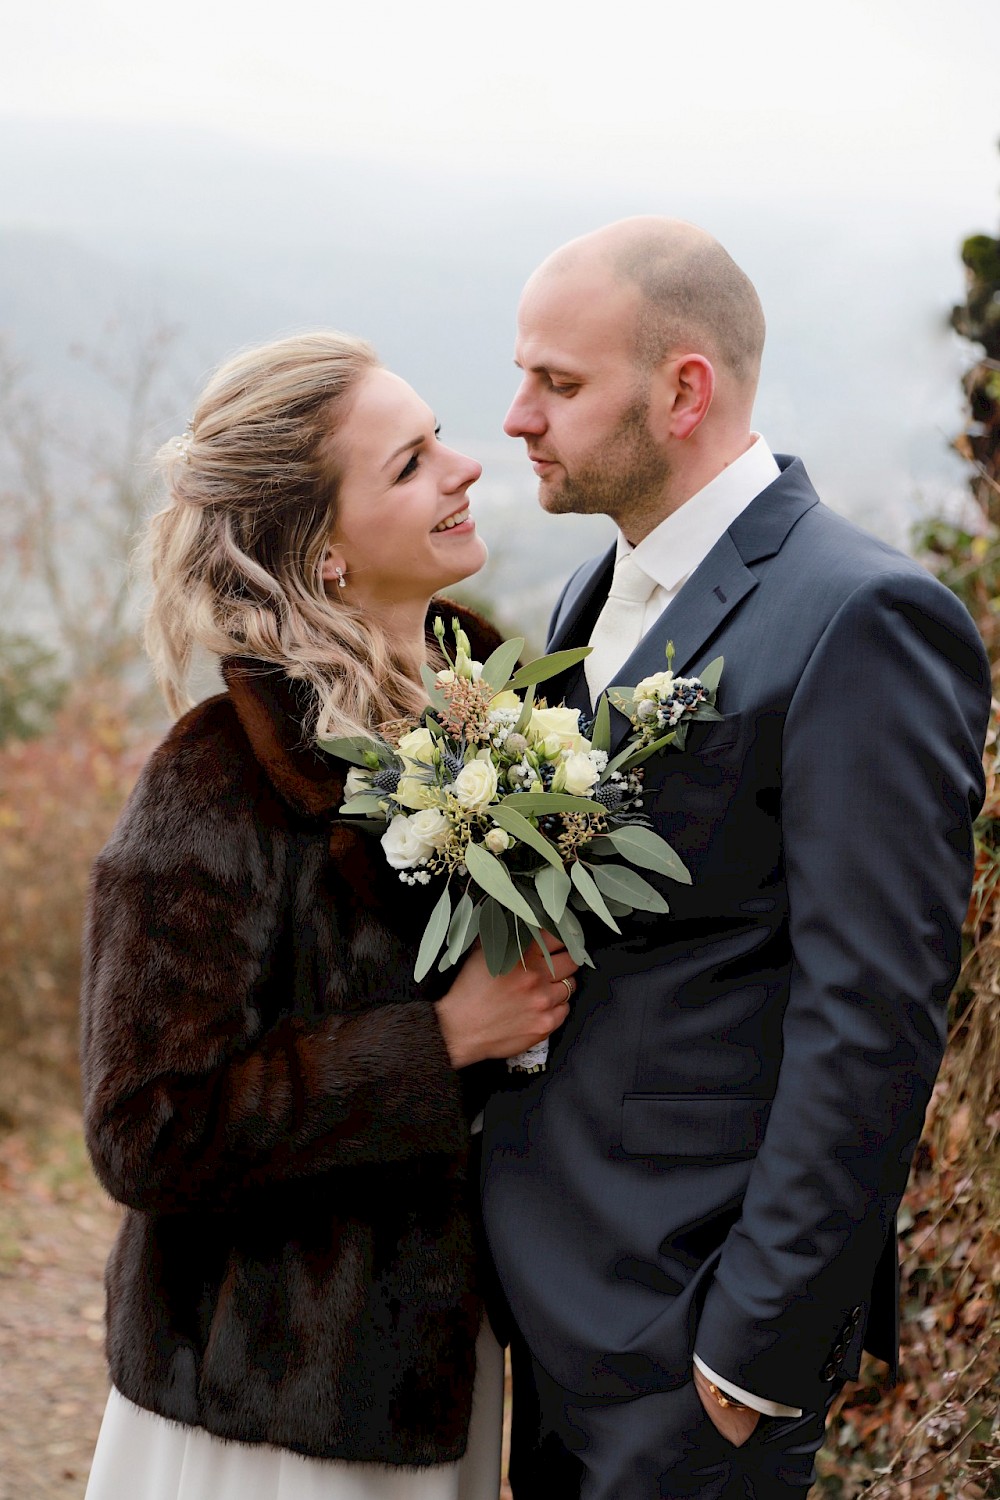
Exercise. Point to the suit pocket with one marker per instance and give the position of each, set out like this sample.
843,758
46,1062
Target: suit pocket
708,737
693,1125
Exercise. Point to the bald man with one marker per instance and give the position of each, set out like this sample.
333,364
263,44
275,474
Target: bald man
692,1211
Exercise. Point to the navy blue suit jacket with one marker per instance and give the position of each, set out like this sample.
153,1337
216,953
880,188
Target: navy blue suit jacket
715,1156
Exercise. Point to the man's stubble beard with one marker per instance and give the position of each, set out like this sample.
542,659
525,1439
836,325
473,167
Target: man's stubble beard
626,477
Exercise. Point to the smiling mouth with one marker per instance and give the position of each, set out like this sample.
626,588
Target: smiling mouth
455,519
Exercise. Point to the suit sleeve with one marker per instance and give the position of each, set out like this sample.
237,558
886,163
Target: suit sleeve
199,1087
881,781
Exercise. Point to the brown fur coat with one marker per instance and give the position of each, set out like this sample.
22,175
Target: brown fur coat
269,1094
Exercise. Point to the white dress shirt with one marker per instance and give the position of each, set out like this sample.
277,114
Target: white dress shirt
674,549
670,554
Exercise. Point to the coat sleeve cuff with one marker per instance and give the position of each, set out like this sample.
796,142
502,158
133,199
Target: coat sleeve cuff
786,1356
747,1398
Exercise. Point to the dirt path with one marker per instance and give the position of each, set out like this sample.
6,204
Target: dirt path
56,1227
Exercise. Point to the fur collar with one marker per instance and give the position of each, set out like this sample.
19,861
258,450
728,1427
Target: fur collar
272,707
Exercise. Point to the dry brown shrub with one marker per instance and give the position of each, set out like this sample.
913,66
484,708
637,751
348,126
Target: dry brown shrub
59,797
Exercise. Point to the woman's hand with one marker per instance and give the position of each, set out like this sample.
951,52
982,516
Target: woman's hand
483,1017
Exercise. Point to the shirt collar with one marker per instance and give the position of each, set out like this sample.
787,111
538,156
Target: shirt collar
674,549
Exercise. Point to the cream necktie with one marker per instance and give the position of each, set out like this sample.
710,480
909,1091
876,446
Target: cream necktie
619,627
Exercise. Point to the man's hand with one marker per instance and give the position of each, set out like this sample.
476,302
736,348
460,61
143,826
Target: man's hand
736,1423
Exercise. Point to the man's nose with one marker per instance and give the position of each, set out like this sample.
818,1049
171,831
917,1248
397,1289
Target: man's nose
523,418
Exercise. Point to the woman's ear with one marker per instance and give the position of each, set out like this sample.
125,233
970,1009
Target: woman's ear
333,569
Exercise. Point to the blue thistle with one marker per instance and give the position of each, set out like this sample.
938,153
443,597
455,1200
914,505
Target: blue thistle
610,797
451,764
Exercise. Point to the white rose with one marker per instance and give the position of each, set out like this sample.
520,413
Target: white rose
660,685
357,781
557,724
431,826
403,846
476,785
580,774
497,840
417,752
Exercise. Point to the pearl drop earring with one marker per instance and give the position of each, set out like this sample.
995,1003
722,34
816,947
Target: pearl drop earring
341,580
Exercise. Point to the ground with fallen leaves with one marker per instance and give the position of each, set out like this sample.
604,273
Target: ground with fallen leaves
56,1227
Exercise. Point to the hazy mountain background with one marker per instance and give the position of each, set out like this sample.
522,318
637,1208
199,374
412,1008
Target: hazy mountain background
108,232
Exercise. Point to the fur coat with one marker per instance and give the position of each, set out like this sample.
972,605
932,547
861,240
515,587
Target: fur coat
268,1093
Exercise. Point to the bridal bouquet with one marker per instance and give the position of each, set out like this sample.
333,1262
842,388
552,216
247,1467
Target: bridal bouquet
526,820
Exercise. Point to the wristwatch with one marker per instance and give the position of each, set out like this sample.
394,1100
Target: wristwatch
724,1400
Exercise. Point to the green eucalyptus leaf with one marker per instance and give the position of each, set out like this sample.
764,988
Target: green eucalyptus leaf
353,750
709,678
511,821
571,932
587,887
457,930
600,736
630,757
518,943
643,847
524,718
530,803
434,935
494,930
545,667
363,804
498,666
621,884
429,679
553,887
536,934
488,872
622,698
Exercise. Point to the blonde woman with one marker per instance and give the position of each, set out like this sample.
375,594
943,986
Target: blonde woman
295,1298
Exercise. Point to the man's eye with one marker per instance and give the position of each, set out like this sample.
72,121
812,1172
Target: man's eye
562,389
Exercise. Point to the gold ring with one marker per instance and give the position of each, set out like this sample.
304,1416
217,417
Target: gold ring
569,989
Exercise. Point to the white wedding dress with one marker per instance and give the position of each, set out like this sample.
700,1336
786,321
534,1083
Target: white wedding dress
141,1456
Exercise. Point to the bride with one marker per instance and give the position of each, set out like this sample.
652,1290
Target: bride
295,1297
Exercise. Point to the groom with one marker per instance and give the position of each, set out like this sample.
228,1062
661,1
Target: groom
692,1211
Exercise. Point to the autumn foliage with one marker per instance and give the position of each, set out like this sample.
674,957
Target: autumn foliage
59,796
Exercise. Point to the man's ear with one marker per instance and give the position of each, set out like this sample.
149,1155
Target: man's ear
681,392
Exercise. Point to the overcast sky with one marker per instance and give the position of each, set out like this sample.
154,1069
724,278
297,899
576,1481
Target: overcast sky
852,97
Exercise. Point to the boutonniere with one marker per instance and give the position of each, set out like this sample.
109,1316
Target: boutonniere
661,708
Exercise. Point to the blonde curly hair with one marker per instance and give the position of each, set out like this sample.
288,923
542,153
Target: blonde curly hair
236,553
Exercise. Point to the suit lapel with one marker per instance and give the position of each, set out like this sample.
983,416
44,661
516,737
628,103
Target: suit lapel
721,582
